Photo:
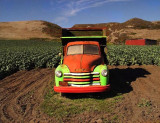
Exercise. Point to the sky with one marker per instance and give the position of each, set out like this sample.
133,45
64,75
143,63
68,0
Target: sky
66,13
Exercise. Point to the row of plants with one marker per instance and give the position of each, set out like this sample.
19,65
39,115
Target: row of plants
25,55
133,55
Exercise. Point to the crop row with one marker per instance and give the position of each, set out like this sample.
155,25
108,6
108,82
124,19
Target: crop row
133,55
25,55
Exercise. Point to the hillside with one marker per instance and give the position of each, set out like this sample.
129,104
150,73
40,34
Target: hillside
117,32
131,29
29,30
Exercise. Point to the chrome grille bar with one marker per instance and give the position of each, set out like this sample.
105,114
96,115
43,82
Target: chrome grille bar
81,74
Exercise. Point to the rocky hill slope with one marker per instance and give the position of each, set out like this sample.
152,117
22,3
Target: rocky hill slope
132,29
29,30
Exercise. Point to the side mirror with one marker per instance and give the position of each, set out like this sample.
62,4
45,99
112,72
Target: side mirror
105,50
59,54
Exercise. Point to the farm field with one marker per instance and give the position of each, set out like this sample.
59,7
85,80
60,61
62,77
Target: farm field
30,54
28,96
27,79
18,55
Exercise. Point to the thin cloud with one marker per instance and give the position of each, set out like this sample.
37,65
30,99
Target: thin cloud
61,19
72,7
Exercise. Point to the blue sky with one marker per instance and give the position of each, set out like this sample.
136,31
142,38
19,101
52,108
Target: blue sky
66,13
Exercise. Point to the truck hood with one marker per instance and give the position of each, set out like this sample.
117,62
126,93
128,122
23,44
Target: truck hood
82,63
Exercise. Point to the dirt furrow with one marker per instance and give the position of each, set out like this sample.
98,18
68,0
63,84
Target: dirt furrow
12,109
22,93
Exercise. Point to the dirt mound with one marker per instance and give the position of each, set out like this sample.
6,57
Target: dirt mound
29,30
132,29
22,93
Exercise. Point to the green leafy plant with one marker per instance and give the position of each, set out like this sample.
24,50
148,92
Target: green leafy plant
25,55
133,55
144,103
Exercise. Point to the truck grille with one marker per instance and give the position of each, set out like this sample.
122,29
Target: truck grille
92,78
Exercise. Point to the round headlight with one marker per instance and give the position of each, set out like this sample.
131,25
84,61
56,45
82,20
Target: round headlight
104,73
58,73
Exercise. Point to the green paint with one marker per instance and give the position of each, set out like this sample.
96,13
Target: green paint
64,69
61,59
85,37
103,79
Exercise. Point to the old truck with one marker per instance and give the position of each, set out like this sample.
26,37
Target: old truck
82,68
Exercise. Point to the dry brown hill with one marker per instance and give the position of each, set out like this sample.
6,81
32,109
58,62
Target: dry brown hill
29,30
131,29
117,32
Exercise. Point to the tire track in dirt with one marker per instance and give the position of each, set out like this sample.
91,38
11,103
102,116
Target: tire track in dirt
19,98
14,83
22,93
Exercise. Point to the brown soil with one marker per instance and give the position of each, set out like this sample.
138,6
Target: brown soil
22,93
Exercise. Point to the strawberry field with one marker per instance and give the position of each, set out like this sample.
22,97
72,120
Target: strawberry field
26,55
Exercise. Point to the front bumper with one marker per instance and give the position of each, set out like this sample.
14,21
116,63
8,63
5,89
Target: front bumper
89,89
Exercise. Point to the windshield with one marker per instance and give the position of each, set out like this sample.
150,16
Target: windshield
83,49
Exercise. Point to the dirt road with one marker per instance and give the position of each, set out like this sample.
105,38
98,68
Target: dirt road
22,93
